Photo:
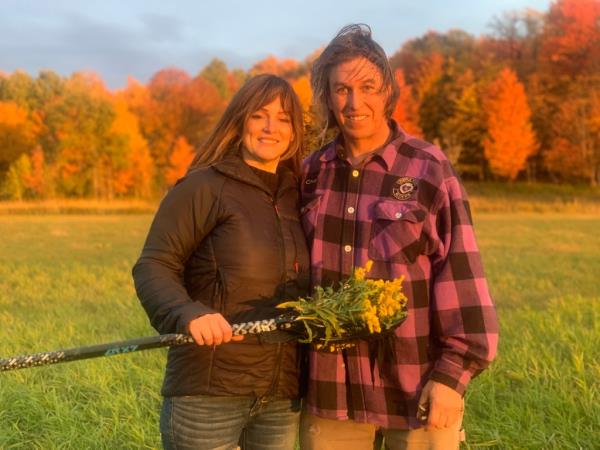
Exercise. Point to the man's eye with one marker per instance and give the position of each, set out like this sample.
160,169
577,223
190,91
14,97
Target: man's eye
369,89
342,90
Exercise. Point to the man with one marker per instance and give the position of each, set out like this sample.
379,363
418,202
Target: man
375,193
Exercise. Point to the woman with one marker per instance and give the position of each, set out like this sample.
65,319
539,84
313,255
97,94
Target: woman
226,246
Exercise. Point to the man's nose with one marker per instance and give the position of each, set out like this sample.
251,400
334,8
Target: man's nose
355,100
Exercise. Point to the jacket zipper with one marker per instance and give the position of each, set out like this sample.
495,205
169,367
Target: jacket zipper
293,236
271,393
220,307
282,238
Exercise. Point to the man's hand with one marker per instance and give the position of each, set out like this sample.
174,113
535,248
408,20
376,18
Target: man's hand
444,404
212,329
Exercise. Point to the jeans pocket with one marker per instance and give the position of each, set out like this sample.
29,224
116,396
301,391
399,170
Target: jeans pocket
203,421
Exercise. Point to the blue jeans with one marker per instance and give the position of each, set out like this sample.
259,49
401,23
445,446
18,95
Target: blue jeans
204,422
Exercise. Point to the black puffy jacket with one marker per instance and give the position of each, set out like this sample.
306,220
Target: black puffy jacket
221,243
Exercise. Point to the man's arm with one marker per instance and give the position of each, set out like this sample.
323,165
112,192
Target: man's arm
464,322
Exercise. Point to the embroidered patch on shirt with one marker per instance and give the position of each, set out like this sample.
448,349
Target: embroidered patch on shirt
404,188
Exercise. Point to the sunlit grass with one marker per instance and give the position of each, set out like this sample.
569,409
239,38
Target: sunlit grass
78,206
65,281
534,197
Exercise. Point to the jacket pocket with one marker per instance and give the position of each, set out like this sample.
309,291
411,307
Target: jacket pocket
309,214
396,232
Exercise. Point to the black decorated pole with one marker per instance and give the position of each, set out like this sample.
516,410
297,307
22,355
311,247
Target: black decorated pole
93,351
132,345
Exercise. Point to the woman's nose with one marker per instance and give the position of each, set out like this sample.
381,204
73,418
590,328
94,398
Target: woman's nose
269,126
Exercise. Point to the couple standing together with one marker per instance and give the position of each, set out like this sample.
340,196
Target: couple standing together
232,240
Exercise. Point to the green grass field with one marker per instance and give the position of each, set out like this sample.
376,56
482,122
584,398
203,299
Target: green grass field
65,281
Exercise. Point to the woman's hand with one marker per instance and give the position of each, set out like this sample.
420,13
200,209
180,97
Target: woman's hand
212,329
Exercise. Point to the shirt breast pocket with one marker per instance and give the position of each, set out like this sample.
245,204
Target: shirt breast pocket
396,233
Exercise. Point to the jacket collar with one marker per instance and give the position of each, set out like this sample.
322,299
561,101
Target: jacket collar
235,168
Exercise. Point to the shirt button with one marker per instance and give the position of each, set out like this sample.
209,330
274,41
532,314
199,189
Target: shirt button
343,366
355,173
351,210
398,215
348,248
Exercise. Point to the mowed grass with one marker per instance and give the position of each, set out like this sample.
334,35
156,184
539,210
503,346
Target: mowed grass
65,281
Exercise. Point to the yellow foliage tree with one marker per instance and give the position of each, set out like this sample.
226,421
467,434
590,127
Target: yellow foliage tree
135,170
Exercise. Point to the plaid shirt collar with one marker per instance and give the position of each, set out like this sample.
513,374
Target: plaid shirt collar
386,154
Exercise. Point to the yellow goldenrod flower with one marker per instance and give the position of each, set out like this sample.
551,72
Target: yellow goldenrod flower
358,303
359,273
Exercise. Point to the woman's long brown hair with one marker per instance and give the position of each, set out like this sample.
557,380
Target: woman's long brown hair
226,136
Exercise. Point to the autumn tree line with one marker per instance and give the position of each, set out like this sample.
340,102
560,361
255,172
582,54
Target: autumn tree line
522,102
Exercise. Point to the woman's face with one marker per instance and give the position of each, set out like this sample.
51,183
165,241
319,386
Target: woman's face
267,135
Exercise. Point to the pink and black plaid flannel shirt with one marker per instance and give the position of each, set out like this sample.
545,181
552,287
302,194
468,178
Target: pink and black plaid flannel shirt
405,209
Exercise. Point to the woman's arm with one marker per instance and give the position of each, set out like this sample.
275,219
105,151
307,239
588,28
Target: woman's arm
185,216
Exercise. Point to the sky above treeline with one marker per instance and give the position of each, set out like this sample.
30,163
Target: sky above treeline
121,38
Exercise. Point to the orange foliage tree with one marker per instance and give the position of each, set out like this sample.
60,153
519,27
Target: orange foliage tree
301,86
281,67
179,161
510,138
17,133
37,178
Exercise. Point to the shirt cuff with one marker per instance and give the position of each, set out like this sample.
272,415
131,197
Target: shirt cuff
449,370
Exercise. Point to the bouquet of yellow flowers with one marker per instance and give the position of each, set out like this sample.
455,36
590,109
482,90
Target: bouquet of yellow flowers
358,308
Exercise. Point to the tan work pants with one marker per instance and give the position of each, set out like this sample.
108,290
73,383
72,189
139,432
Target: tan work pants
317,433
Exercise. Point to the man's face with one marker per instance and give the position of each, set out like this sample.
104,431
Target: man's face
358,102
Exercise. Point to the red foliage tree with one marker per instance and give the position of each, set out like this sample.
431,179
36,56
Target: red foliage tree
406,112
178,105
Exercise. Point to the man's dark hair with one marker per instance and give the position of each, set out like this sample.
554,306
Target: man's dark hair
353,41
